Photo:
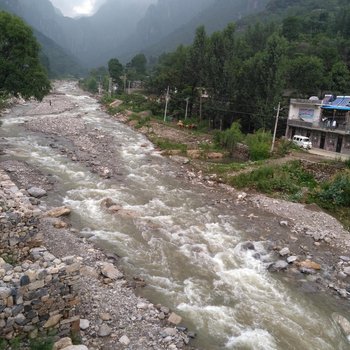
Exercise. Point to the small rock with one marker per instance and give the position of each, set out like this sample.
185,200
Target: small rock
105,316
174,318
291,259
62,344
124,340
165,310
104,331
285,251
76,347
242,196
284,223
307,271
278,266
308,264
59,224
52,321
57,212
108,270
347,270
142,306
345,258
84,324
168,332
36,192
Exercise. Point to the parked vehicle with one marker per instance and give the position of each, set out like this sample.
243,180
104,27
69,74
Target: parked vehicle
302,141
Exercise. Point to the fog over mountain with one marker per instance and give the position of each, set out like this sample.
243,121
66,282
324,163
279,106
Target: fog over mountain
123,28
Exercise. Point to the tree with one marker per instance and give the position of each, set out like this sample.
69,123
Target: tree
115,69
21,72
339,78
306,75
138,63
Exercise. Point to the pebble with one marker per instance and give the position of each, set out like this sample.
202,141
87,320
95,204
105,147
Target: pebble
291,259
105,316
84,324
285,251
36,192
124,340
104,331
174,318
278,266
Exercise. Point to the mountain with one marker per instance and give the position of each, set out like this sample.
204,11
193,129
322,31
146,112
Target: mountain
41,16
90,39
57,61
214,17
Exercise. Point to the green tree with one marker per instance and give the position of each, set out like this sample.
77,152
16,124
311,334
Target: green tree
339,78
306,75
138,63
21,72
115,69
291,27
196,63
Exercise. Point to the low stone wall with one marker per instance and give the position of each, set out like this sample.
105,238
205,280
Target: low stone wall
37,290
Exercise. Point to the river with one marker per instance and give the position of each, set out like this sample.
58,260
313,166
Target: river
189,251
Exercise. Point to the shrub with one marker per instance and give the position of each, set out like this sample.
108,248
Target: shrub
259,144
347,163
229,138
336,192
284,147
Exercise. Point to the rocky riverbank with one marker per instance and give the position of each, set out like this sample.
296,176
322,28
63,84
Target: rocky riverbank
307,246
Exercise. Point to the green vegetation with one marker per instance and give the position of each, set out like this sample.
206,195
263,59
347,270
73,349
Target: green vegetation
295,46
21,72
165,144
287,180
293,182
259,144
336,192
41,343
229,138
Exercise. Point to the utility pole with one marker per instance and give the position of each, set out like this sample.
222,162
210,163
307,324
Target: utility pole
129,87
166,104
187,100
275,130
124,79
200,106
110,87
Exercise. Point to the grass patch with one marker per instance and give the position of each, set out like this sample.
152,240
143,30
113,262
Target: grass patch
288,181
227,168
165,144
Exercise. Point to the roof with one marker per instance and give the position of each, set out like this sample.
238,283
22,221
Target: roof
340,103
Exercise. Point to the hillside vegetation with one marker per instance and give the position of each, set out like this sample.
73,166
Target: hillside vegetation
294,49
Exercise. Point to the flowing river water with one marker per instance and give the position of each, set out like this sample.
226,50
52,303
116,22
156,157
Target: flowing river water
189,251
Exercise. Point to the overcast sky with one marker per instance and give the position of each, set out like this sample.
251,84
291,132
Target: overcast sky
72,8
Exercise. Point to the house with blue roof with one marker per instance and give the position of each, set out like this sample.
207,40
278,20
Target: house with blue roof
326,122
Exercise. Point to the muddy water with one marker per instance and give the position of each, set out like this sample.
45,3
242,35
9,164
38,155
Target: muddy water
190,252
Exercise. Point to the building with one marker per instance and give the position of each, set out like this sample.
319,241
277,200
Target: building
326,122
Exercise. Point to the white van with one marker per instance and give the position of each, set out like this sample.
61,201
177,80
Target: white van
302,141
